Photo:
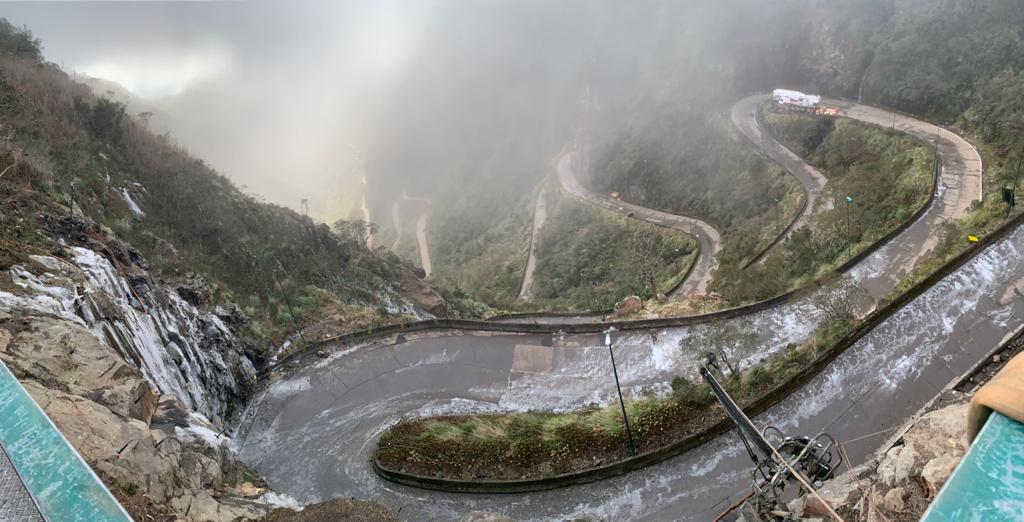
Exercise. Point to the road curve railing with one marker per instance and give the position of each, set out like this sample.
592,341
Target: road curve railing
762,404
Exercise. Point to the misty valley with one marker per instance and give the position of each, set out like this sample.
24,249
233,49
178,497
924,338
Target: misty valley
511,260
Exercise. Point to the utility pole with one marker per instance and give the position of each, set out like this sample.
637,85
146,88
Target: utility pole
288,303
1013,189
71,199
849,236
625,419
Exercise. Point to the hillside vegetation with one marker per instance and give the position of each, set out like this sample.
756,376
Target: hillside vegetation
589,258
60,144
887,174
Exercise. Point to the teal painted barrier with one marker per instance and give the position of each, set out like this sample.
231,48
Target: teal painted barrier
988,484
62,484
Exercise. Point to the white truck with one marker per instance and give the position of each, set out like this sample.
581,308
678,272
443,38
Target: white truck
796,99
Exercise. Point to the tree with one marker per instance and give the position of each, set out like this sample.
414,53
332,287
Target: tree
144,117
720,338
644,262
840,301
357,230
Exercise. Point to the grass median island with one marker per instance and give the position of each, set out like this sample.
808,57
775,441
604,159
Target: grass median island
534,445
531,445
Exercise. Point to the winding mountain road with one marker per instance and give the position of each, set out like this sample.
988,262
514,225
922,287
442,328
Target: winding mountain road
744,117
311,432
705,234
540,215
421,228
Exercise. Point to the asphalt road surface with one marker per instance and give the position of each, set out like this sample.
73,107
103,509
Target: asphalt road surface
311,432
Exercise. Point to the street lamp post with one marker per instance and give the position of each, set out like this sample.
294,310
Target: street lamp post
625,419
288,303
1013,189
849,237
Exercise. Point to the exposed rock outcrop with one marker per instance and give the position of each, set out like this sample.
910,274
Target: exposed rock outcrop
901,483
104,406
425,296
178,347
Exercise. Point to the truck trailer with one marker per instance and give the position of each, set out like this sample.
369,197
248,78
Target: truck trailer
796,99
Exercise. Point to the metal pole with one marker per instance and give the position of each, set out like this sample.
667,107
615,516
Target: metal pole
288,303
1016,177
622,404
849,237
71,204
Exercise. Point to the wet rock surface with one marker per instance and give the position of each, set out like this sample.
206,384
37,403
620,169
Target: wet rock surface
901,483
425,296
130,372
103,406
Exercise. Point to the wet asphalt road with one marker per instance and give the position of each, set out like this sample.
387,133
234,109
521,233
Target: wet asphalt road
312,431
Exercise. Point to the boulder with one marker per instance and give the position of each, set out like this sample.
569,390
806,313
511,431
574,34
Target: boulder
844,490
893,500
425,296
887,467
231,314
247,490
194,289
627,306
906,463
937,470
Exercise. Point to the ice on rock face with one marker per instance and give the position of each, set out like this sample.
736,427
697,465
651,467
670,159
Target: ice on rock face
180,349
132,205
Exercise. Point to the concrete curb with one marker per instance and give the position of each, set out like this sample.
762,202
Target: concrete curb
766,401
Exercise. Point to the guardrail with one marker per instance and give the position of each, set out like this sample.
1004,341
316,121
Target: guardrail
60,482
803,206
495,325
841,269
767,400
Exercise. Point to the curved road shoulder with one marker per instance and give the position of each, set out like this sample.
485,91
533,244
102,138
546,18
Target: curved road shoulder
710,242
960,182
744,117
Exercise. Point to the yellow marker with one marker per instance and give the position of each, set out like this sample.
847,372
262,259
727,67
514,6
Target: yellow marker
972,239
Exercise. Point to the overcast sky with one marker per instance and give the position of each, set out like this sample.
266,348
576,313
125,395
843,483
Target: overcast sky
270,93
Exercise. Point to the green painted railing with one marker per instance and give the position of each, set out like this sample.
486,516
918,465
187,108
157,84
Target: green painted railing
63,485
989,482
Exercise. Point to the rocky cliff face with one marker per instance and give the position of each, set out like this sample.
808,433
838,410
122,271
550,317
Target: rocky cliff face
138,378
180,348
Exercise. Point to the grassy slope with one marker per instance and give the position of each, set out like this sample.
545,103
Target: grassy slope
482,260
697,164
587,256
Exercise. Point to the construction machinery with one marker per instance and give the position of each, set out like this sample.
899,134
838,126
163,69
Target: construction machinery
785,467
